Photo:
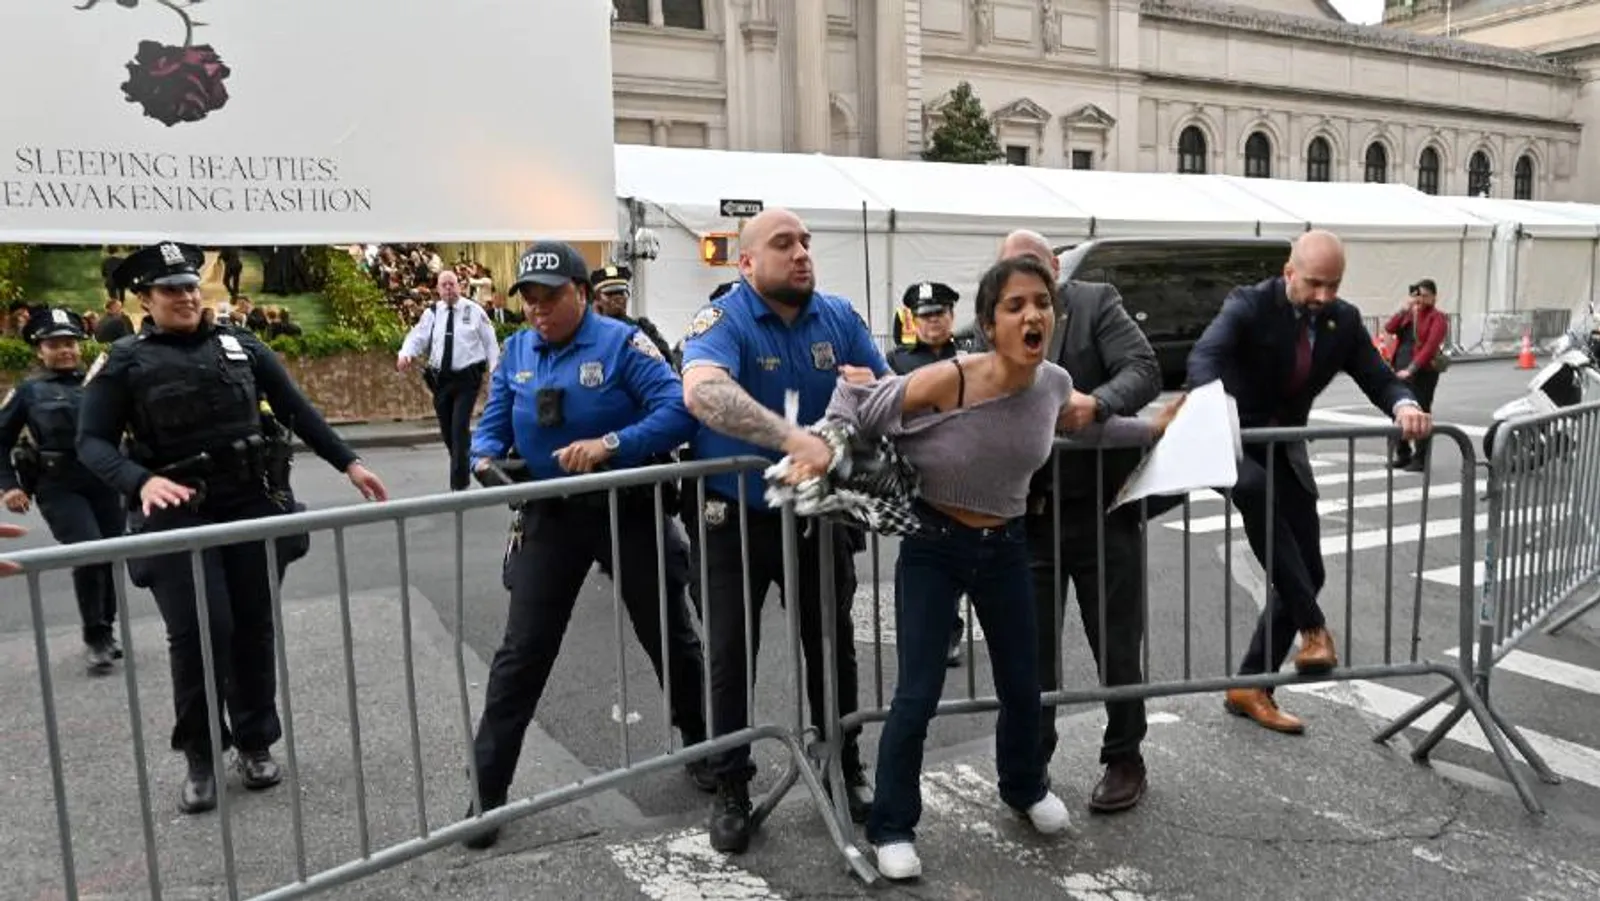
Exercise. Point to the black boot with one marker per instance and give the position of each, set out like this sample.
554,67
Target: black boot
857,791
699,770
257,769
97,657
730,817
200,787
486,838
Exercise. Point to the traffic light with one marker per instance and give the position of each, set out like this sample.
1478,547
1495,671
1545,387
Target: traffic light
719,249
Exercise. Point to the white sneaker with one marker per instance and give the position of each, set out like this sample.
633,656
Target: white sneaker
899,860
1049,815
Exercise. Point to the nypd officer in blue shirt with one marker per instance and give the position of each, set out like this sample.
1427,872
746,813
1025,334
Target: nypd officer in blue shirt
576,393
75,503
771,333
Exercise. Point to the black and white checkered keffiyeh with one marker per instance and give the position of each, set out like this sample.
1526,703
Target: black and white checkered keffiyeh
869,484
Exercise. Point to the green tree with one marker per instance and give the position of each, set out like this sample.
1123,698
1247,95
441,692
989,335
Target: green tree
966,135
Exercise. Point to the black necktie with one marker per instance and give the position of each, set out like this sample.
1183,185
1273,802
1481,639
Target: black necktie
446,363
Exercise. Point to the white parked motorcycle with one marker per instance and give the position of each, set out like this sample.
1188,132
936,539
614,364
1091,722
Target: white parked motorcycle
1571,378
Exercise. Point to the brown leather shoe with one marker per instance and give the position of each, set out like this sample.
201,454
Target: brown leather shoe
1120,788
1256,704
1317,654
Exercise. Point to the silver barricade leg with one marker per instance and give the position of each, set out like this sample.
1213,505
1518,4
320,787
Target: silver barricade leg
751,624
877,620
291,753
1349,552
833,733
1227,580
1188,588
130,675
701,559
52,736
1388,567
658,507
1267,559
419,786
1468,485
834,816
197,571
363,838
1100,563
612,503
461,664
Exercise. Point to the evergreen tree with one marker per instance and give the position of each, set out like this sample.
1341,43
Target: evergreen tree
966,135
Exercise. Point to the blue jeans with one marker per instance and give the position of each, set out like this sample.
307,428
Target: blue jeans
935,568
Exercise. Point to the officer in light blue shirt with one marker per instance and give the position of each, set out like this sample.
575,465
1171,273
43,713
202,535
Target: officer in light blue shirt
772,333
576,393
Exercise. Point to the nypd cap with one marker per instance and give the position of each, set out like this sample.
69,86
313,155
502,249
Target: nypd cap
550,263
168,263
45,323
610,277
925,298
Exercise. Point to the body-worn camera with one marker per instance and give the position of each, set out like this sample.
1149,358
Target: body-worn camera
549,407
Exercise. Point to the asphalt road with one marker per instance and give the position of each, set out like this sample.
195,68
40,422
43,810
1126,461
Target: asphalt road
1190,628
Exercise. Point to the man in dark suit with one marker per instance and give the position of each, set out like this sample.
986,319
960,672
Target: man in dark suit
1114,372
1276,346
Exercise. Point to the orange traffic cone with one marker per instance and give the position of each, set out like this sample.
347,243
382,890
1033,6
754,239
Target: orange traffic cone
1525,358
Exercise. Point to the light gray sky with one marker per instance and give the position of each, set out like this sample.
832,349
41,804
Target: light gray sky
1366,12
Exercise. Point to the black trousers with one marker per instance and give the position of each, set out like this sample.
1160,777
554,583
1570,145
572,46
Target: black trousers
723,596
1123,634
76,512
561,541
1423,385
453,398
1296,571
239,609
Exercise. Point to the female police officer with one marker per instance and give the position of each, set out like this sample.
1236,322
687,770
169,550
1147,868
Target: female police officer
76,505
575,393
188,394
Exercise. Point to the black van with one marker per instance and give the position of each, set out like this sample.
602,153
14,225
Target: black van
1174,287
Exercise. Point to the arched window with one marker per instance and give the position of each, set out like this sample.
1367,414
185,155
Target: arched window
1319,160
1377,163
1522,178
1479,175
1257,156
1192,151
1428,171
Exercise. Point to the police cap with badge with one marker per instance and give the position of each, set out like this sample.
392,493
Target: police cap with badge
928,298
46,323
168,264
550,263
613,277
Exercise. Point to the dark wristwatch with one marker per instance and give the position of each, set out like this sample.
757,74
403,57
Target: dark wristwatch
1102,410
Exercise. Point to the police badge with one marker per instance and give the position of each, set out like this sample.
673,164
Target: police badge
716,512
591,374
822,355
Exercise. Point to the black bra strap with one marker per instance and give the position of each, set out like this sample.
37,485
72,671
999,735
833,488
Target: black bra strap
961,384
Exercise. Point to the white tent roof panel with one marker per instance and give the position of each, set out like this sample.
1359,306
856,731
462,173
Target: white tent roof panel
1126,204
962,198
1537,219
1363,210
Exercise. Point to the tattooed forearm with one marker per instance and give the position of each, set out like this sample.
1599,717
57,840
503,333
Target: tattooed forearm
723,405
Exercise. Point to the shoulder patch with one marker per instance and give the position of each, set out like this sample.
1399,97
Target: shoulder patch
705,320
99,364
642,343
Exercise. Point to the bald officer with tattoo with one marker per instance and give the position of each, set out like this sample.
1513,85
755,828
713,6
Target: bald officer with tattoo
773,332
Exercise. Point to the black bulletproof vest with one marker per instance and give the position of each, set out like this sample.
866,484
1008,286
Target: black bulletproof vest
190,394
53,402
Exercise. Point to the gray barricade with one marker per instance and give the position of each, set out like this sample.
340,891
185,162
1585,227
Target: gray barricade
1542,555
1379,638
400,798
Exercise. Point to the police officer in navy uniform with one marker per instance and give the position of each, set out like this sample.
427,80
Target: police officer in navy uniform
771,334
76,505
576,393
188,394
613,291
931,306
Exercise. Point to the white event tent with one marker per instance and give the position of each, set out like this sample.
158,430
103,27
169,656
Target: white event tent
881,225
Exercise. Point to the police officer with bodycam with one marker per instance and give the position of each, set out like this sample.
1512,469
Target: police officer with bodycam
576,393
771,334
188,394
76,505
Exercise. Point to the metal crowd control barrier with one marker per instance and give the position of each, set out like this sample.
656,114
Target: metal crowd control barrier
1368,633
1542,555
308,784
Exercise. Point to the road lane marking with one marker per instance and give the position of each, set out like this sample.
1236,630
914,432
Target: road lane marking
1373,500
1546,669
682,866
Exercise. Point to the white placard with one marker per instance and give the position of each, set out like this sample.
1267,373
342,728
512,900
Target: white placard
1201,449
258,122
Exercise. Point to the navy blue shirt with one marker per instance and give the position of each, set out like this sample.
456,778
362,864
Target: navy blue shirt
613,379
767,357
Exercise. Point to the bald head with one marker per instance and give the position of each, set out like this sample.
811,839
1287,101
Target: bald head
1315,269
1025,243
775,257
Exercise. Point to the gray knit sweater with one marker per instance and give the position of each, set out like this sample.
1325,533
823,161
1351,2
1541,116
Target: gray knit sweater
979,457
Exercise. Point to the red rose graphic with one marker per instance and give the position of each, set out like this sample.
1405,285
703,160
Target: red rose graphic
176,84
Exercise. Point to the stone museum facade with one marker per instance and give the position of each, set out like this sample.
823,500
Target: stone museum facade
1280,89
